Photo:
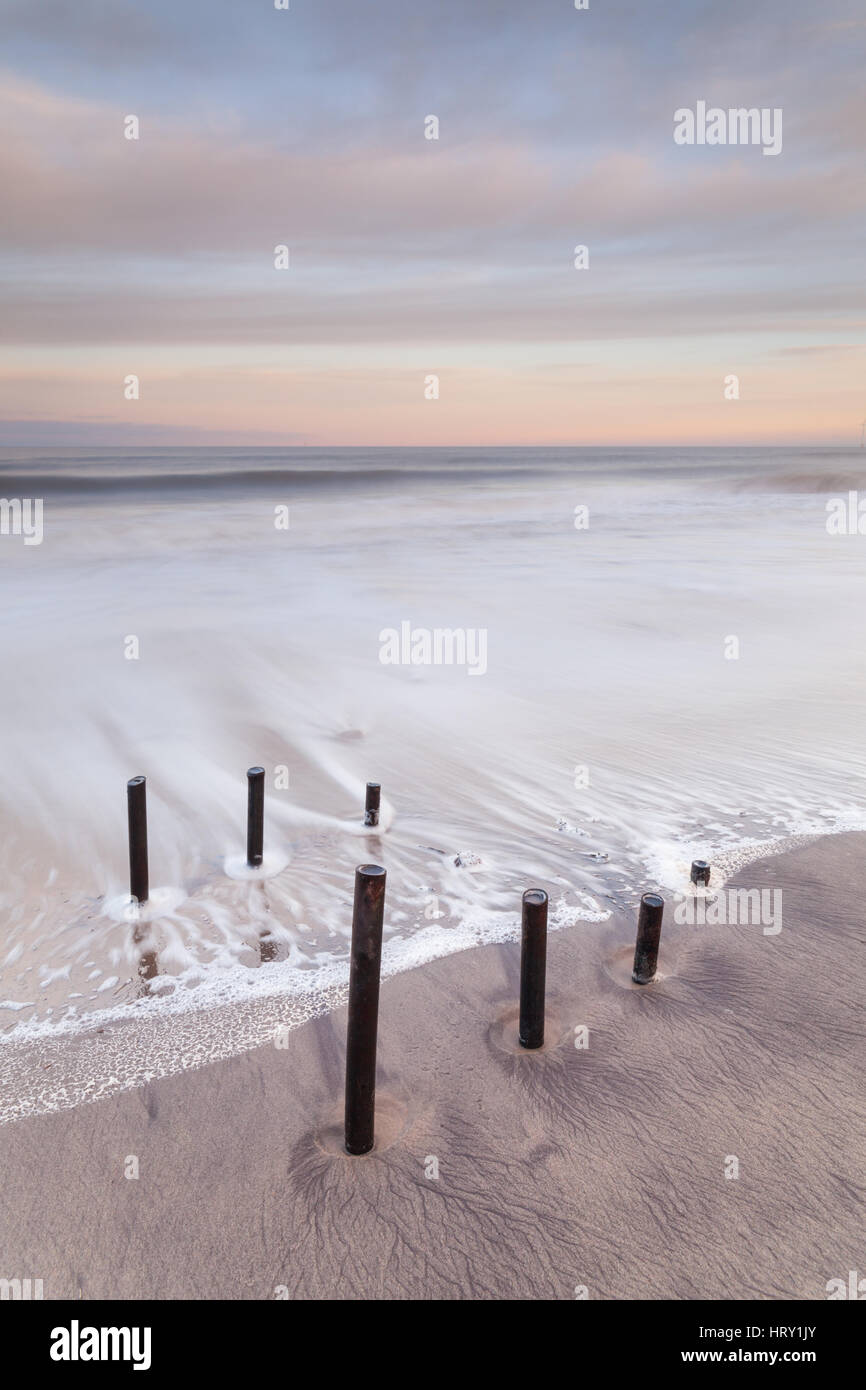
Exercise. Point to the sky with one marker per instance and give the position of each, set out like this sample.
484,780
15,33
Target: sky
413,258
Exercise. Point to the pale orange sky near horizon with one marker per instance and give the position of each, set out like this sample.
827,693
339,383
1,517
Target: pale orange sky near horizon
485,407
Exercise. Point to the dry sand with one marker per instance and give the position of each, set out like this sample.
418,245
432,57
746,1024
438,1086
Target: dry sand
602,1168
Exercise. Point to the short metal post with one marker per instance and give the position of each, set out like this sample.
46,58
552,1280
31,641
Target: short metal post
649,930
700,872
136,806
255,816
371,805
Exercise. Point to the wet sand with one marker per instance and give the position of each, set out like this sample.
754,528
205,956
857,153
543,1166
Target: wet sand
600,1168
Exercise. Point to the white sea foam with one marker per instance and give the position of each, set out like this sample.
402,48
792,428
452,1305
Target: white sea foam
96,1056
162,902
236,866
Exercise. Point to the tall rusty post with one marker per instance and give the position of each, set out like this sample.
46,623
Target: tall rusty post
533,968
367,918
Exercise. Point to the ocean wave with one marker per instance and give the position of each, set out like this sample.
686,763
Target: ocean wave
806,483
33,484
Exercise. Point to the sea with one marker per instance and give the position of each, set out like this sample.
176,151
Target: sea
571,668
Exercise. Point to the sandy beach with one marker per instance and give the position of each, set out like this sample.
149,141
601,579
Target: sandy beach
595,1171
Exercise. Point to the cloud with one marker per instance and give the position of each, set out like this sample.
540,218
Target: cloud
306,128
96,29
74,184
433,312
64,434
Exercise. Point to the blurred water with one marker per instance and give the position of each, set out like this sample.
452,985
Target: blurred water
606,651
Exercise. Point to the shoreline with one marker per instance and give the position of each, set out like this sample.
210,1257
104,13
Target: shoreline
101,1052
600,1168
192,1034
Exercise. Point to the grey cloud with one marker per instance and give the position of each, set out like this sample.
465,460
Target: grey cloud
75,185
118,434
95,29
539,309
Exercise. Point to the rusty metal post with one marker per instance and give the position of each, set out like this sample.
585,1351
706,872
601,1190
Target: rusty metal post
700,872
371,804
255,816
649,930
136,807
367,918
533,968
